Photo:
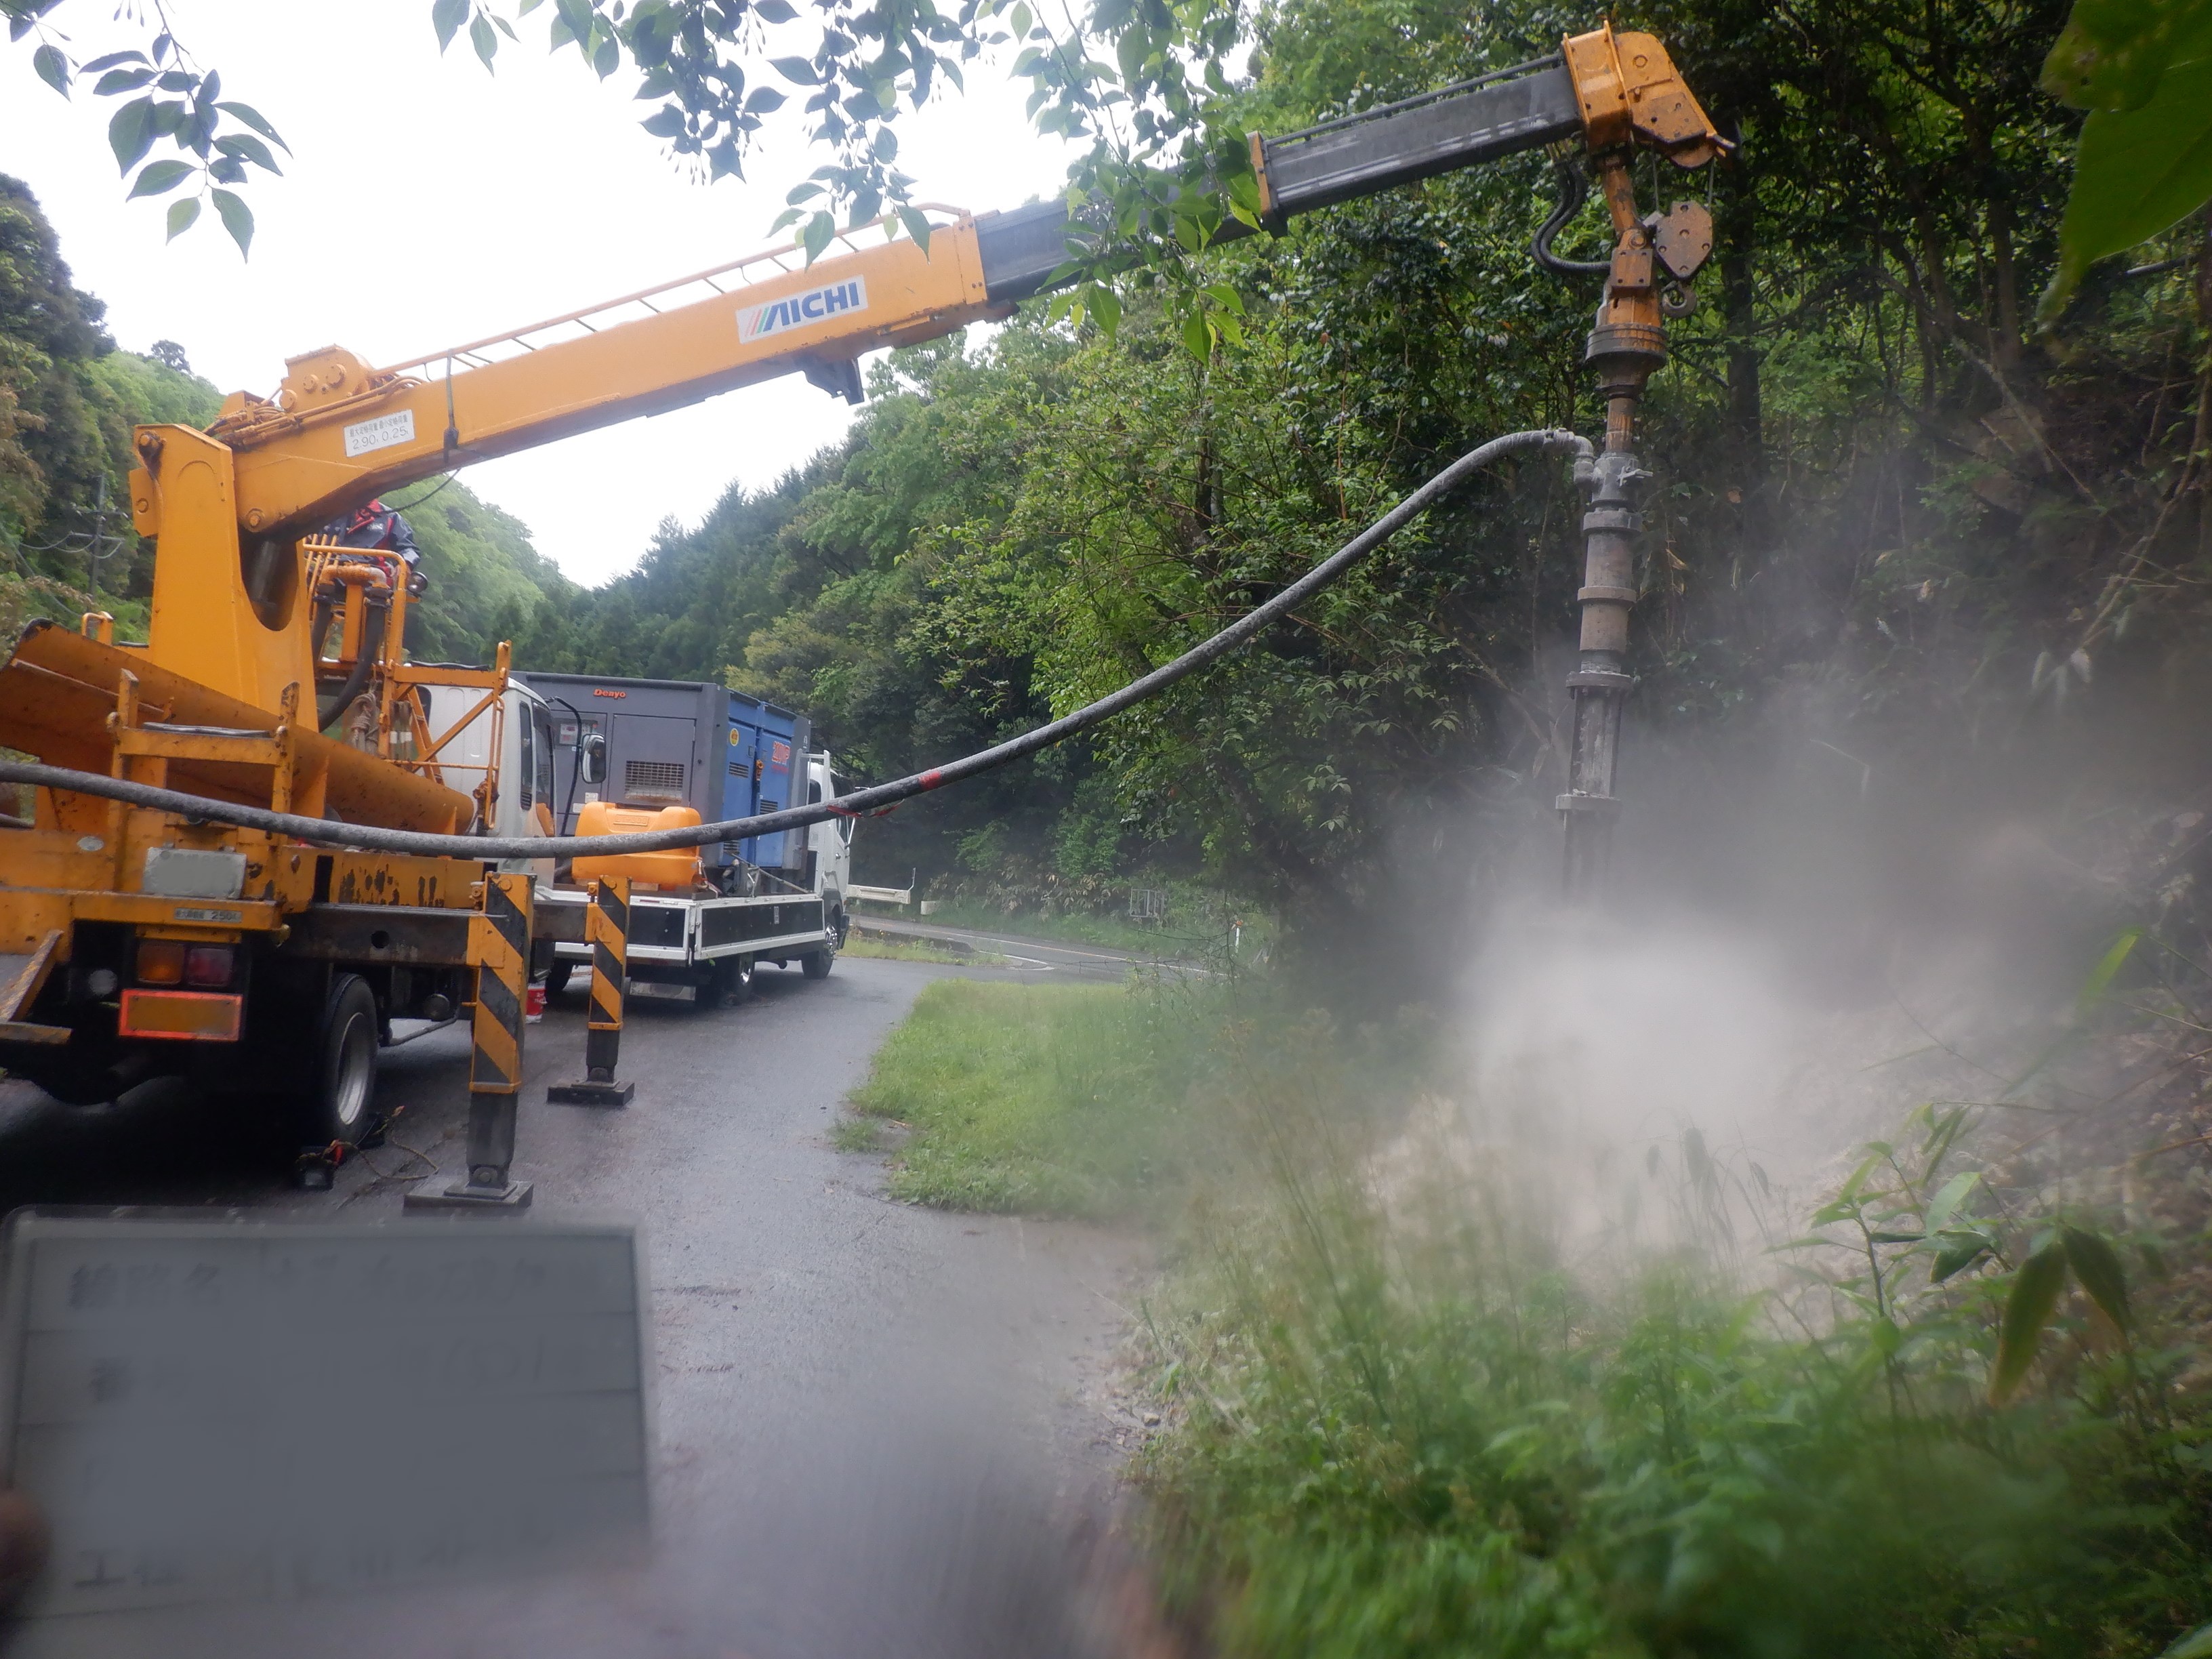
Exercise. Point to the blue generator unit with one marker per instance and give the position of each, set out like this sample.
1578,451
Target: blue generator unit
682,743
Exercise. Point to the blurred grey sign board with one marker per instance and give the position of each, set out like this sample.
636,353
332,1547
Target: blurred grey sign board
239,1410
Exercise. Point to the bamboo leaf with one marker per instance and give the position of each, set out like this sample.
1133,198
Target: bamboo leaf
2098,1266
1960,1251
2027,1310
2108,968
1945,1204
2197,1645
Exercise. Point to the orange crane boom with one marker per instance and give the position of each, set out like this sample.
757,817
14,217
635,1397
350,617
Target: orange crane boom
230,504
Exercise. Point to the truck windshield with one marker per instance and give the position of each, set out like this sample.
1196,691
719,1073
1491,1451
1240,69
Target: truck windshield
540,725
525,771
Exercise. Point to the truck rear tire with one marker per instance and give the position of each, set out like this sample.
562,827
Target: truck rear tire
336,1103
556,976
729,983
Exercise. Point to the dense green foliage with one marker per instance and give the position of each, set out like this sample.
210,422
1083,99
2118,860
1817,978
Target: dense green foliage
1881,507
1413,1424
2143,71
487,582
68,400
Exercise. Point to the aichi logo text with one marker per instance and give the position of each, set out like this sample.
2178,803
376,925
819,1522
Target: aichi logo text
798,310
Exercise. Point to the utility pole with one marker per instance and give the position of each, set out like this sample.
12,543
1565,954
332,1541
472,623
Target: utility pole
94,554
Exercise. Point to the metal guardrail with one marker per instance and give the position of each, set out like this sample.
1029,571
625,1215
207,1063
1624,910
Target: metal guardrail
901,897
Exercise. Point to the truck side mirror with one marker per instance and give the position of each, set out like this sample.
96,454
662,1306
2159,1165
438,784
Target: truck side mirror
594,759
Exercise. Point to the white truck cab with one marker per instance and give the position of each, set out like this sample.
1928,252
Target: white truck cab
523,804
830,843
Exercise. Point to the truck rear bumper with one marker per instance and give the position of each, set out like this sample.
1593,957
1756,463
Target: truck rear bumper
682,931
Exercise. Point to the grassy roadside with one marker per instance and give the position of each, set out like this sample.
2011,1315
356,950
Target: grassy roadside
1406,1414
899,949
1176,941
1062,1099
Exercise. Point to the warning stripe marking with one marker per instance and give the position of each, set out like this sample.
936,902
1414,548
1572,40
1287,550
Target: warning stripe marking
606,926
499,942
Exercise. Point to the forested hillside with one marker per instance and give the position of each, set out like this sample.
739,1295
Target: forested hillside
1890,523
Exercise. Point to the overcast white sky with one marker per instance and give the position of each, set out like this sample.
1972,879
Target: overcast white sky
427,203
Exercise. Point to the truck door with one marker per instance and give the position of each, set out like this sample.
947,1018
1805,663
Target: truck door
775,769
738,792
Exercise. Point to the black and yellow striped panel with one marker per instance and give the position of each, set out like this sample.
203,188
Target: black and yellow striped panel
499,948
606,927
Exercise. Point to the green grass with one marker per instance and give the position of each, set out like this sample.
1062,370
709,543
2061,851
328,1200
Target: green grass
1179,939
1057,1099
1407,1417
857,1134
900,950
1406,1420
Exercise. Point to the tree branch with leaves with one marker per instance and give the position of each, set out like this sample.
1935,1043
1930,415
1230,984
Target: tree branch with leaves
168,97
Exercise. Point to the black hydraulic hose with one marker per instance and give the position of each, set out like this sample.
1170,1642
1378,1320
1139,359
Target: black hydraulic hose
372,646
1574,191
576,758
322,832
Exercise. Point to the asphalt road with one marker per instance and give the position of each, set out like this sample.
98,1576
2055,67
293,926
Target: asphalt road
881,1429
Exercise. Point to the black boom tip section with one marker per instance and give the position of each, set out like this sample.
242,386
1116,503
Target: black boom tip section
1021,249
1364,154
1515,110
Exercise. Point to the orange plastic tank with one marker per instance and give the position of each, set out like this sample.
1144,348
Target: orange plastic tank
677,869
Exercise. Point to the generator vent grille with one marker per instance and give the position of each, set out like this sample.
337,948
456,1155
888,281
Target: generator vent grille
653,779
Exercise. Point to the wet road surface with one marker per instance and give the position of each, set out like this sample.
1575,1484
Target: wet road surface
881,1429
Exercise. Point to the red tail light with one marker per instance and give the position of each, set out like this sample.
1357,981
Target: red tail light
209,964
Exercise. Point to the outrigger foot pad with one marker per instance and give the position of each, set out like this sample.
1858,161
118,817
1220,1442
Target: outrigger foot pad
591,1092
465,1195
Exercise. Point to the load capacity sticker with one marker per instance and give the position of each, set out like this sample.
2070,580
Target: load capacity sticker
381,432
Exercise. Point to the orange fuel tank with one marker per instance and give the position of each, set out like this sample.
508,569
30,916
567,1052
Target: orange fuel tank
677,870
